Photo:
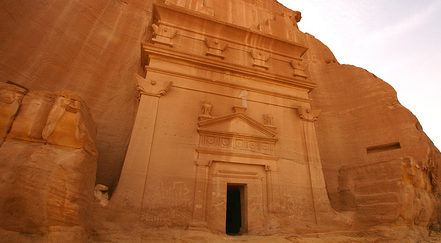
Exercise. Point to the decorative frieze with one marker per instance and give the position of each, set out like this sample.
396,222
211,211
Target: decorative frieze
230,141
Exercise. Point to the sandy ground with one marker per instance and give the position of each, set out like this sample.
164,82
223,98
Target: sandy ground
199,237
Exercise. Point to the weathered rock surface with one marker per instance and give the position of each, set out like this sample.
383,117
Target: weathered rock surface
363,124
92,48
47,165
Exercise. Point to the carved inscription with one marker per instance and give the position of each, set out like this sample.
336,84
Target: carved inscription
295,203
158,197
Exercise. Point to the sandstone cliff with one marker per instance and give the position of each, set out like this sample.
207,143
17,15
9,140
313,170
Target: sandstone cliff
48,164
93,48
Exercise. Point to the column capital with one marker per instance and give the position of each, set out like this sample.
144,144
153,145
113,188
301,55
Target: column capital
152,87
204,162
308,114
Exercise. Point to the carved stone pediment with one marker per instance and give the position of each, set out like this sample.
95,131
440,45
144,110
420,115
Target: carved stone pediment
237,123
237,132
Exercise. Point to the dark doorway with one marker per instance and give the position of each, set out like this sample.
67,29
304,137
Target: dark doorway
235,210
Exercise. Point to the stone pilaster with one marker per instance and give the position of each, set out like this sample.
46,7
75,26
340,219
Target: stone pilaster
318,186
135,168
200,196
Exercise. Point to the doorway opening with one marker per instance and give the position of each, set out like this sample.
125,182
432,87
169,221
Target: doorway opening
236,210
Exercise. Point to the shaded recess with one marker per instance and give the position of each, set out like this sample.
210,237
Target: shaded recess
235,209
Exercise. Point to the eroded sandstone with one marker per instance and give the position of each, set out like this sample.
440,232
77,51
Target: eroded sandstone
48,166
223,98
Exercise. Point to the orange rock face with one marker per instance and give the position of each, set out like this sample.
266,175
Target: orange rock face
48,160
228,119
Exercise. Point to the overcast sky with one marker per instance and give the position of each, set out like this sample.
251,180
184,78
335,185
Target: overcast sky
397,40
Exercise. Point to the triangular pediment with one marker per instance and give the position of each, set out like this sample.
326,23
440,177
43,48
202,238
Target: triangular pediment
238,123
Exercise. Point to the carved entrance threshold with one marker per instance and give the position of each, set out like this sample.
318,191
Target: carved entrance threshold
235,150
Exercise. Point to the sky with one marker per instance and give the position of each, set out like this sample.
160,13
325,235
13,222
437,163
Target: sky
397,40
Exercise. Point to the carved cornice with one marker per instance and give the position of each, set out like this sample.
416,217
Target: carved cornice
269,132
236,135
207,24
195,28
227,84
228,153
151,51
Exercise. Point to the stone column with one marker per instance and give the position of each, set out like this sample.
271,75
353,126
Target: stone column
272,183
269,188
273,177
322,207
130,190
200,196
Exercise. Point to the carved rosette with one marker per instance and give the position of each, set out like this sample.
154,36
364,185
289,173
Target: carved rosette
237,142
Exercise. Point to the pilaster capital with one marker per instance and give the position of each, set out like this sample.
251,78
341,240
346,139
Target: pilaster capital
308,114
152,87
207,163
